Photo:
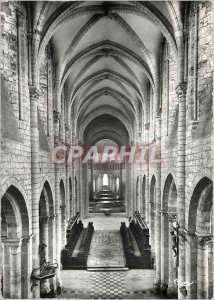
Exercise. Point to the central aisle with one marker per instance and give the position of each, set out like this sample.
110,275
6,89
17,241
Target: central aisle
106,251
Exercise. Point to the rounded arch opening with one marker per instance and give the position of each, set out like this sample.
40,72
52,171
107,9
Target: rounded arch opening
15,236
200,230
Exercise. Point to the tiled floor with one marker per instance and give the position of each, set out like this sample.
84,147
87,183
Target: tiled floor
108,285
132,284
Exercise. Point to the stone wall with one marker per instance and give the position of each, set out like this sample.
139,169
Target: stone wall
16,151
199,133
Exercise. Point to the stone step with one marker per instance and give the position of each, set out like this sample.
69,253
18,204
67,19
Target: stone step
107,269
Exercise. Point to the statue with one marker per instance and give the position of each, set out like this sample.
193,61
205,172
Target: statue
174,242
174,234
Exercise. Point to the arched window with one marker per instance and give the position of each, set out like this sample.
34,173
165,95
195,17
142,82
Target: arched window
105,179
117,184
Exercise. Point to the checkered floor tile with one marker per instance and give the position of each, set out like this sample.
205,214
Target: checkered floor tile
108,285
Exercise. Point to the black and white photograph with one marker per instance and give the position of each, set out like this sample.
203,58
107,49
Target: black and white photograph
106,153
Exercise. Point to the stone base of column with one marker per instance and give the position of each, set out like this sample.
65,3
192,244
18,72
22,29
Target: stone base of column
45,288
172,292
59,287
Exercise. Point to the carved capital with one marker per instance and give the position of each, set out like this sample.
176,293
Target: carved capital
56,116
147,125
164,213
29,36
67,127
51,217
172,216
195,7
189,233
204,240
20,17
34,92
14,245
186,34
73,135
15,249
44,218
26,239
62,206
158,114
181,89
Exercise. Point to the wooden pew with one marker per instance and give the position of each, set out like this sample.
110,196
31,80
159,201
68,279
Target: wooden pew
77,258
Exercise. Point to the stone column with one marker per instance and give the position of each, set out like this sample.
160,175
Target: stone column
2,262
44,285
35,180
63,224
147,185
86,192
158,203
56,116
15,269
12,269
146,213
83,189
6,269
164,246
181,94
67,169
210,269
95,184
121,180
152,208
52,246
20,26
140,196
92,179
73,178
26,263
191,264
1,244
202,266
131,187
128,194
195,11
109,182
44,233
114,184
100,182
74,193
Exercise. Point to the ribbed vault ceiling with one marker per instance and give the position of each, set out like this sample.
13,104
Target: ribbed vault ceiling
107,55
